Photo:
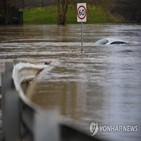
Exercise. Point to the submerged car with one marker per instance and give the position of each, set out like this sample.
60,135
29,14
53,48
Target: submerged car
110,41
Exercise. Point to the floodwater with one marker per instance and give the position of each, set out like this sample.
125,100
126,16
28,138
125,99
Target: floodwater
102,84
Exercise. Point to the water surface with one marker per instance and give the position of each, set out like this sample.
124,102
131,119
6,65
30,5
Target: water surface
102,84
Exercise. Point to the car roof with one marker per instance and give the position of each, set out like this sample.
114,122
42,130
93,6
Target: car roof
114,39
109,40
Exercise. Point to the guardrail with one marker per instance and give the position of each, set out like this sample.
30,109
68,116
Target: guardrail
22,120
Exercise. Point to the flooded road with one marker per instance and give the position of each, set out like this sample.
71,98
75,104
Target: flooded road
102,84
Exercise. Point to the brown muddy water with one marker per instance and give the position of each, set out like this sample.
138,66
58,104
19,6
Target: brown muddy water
102,84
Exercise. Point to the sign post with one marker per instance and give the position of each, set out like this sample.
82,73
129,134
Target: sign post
81,17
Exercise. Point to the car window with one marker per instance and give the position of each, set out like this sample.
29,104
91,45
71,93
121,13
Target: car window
102,41
118,42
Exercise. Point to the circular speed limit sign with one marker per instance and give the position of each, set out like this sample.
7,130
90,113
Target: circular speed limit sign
81,12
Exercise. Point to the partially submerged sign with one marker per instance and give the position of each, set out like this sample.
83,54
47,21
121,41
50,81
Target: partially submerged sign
81,12
81,17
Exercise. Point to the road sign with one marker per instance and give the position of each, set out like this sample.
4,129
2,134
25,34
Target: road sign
81,12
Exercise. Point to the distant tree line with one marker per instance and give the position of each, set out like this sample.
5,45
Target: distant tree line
129,9
8,13
62,6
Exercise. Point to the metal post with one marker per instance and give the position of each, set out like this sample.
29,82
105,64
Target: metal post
10,106
46,126
81,36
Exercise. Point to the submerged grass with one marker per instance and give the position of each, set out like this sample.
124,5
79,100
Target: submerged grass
40,15
48,15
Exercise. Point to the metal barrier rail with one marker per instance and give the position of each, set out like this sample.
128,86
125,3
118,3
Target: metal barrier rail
22,120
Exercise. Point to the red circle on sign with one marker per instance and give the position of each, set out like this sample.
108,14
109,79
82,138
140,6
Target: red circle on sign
81,6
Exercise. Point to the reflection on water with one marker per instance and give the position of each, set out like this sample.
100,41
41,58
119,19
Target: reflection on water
60,95
103,84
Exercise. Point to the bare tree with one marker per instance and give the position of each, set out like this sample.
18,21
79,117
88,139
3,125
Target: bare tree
62,6
7,5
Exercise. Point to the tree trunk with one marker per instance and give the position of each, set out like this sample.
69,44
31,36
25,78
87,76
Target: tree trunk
62,6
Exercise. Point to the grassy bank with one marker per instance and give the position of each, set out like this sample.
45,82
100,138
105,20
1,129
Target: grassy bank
48,15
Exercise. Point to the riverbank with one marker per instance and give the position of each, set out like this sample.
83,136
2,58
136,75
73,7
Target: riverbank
48,15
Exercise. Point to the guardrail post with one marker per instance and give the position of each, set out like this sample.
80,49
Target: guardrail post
10,106
46,126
